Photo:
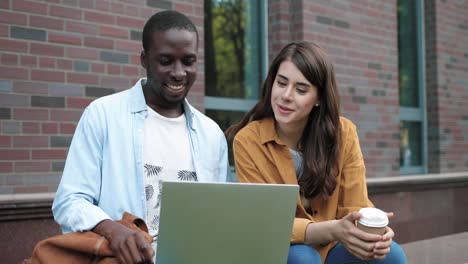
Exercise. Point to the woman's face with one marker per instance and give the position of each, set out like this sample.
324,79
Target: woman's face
292,97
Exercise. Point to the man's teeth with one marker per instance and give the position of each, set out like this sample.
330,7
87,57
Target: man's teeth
175,87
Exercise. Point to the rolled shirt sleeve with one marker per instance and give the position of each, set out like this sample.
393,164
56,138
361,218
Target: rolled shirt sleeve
74,206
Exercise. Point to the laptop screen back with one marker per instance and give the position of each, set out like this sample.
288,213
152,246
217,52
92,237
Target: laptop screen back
213,223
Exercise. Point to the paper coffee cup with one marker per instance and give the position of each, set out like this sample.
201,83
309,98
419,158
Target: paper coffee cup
373,220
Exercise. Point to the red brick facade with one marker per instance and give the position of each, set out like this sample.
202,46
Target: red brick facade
361,37
57,56
447,85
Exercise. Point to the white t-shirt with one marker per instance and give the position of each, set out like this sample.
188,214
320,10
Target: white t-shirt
167,157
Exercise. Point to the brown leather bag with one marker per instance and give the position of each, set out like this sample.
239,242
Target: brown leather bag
82,247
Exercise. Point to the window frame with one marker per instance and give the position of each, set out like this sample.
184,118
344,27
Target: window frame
239,104
418,114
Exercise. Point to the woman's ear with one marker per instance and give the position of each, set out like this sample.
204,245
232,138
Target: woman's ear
143,59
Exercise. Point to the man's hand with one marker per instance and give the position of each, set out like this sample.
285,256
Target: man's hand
129,246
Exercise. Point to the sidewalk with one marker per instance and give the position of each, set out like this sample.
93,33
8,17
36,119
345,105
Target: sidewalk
452,249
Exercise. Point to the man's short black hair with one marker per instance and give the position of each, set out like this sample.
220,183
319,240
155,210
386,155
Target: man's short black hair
164,21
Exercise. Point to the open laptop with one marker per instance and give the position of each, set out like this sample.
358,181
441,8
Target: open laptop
225,223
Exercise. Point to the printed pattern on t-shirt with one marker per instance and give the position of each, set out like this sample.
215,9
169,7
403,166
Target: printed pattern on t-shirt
153,190
166,157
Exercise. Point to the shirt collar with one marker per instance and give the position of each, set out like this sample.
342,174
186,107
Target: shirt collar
137,98
267,131
189,113
138,102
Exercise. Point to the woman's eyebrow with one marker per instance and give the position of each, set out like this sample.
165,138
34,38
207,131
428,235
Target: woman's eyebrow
303,84
298,83
282,76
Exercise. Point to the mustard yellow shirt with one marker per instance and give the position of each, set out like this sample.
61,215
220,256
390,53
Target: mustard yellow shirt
261,157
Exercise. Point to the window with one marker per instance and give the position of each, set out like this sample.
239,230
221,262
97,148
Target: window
411,87
235,58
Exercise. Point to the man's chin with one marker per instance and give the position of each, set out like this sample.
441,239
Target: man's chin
174,101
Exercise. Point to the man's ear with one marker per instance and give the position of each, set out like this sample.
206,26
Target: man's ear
143,59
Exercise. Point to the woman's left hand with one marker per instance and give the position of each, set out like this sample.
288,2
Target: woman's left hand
382,248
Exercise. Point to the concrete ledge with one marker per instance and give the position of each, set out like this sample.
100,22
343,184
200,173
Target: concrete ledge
38,205
423,199
15,207
413,183
26,197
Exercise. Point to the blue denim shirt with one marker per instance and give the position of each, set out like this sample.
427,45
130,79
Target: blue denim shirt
103,174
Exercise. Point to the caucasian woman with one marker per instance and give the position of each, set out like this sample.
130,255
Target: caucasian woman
295,135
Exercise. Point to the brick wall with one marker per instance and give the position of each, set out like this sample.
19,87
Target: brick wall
447,84
55,58
279,28
361,38
431,87
284,24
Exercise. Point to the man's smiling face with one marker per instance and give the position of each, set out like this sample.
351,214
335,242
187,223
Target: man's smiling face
171,70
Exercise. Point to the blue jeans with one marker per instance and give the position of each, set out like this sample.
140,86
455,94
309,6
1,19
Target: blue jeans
305,254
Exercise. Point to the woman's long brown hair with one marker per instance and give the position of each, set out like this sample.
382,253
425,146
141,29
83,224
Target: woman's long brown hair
319,143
